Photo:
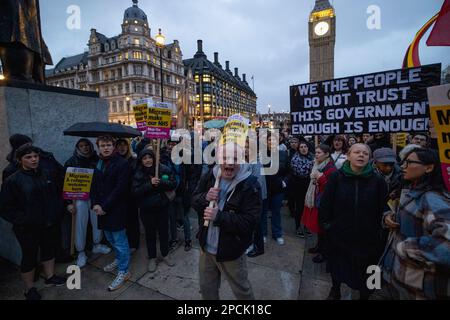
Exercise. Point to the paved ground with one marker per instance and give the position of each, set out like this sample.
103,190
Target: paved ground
283,273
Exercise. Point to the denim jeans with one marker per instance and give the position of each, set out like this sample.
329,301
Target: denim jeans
275,202
119,242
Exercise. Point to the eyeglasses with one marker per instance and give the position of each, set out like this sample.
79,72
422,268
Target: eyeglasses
407,162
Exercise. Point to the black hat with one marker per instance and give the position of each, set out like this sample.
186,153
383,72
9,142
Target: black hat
18,140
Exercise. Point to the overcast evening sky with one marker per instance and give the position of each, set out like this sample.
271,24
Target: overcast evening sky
264,38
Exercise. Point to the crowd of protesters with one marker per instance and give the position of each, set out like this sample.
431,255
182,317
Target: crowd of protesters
367,203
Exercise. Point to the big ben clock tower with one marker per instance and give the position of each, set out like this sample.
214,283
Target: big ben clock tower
322,39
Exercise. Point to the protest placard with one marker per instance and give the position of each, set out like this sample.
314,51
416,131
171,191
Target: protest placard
440,115
159,117
77,183
235,130
140,112
390,102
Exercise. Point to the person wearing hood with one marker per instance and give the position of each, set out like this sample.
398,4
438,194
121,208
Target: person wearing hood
132,226
150,193
350,212
108,200
416,264
232,222
84,156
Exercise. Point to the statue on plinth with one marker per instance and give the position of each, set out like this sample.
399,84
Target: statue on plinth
23,52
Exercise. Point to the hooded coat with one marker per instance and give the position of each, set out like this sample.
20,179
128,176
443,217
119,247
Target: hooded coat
149,197
79,161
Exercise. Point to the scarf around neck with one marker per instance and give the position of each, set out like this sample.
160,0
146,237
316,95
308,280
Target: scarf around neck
365,173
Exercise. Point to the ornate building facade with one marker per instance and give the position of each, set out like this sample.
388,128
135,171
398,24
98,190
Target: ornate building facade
127,67
219,92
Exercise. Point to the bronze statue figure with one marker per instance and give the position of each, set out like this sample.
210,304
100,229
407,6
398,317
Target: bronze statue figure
23,52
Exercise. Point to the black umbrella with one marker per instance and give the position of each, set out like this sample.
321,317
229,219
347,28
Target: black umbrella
97,129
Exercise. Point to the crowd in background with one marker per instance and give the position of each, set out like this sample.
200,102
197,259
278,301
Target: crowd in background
367,203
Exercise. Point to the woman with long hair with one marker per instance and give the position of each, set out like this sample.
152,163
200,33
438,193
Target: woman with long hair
321,171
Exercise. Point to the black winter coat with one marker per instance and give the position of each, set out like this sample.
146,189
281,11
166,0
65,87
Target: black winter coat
109,190
46,161
31,198
275,182
148,197
350,212
238,219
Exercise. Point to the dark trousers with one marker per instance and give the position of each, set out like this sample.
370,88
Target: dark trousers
133,231
258,236
156,221
297,189
34,239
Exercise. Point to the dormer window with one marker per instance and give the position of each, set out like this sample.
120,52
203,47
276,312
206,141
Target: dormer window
135,22
126,21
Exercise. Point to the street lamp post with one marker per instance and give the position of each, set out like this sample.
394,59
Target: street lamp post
128,109
160,40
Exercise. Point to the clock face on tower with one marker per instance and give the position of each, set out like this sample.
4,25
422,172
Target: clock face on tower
321,28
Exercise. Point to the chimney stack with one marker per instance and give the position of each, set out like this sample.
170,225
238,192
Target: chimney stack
216,57
236,72
200,45
244,77
227,63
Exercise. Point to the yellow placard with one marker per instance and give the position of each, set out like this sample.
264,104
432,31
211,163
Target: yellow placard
401,139
159,118
140,112
236,131
77,183
441,119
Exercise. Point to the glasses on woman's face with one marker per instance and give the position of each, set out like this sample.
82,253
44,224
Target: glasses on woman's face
407,162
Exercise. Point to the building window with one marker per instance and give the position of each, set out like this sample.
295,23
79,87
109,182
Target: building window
137,55
136,41
139,87
138,70
206,78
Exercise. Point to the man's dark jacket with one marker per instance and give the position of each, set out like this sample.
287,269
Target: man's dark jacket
109,190
238,219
